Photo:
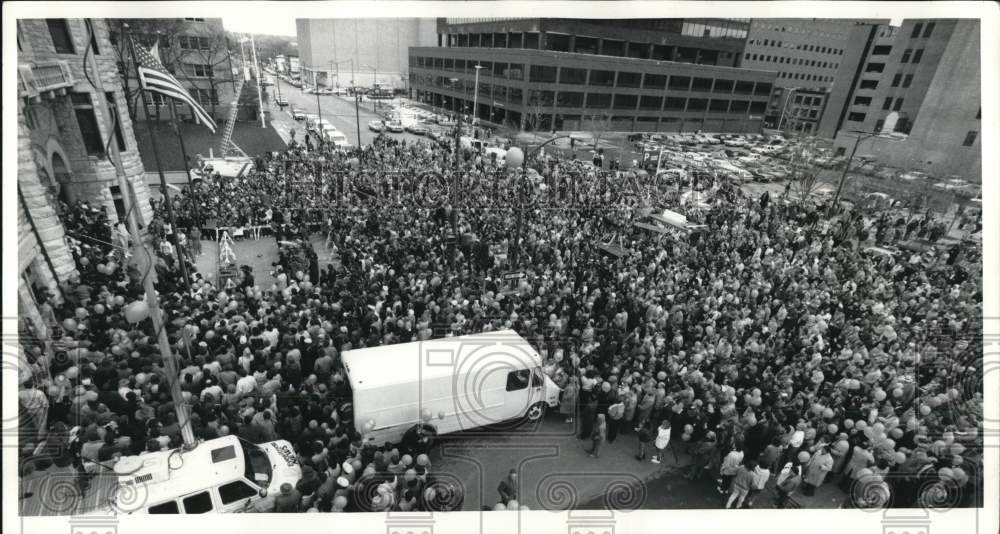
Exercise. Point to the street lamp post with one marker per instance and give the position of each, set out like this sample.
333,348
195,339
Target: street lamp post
475,97
516,158
861,136
788,96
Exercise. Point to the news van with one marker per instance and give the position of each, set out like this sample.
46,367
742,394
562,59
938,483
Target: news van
220,475
455,383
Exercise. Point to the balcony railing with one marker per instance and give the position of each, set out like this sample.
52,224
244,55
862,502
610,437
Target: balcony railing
36,79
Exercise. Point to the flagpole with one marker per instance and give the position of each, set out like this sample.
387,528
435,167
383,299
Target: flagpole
163,179
152,300
260,81
187,168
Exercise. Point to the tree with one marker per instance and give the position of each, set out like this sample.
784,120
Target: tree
597,124
535,116
189,55
805,177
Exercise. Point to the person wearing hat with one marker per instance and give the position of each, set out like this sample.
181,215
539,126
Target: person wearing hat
289,501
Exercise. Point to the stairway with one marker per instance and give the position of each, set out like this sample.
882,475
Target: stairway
227,147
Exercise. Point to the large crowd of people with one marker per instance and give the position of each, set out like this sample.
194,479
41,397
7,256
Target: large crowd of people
773,344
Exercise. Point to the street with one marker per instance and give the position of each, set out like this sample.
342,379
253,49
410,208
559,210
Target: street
338,110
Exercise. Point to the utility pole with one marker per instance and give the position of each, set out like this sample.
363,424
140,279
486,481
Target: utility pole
260,80
152,300
357,119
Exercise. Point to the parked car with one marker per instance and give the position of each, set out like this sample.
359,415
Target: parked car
298,114
281,101
418,129
913,176
395,127
376,126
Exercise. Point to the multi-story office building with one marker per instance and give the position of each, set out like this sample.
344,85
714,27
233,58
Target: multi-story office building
61,143
361,52
926,74
630,75
811,56
197,52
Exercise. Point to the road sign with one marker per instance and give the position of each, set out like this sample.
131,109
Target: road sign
517,275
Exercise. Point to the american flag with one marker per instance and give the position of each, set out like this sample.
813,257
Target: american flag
154,77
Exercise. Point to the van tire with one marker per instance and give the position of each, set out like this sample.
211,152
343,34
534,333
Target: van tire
536,412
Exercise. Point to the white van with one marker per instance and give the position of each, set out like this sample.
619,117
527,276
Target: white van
219,475
463,382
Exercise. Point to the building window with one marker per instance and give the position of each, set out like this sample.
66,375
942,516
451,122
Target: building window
970,138
113,107
188,42
86,119
898,104
887,103
739,106
604,78
875,67
723,86
629,79
701,84
544,74
679,83
719,106
813,113
654,81
917,55
916,31
906,55
697,104
572,76
896,79
881,50
869,84
62,40
612,47
570,99
928,30
598,100
626,101
856,117
907,80
202,71
758,107
650,103
674,104
862,100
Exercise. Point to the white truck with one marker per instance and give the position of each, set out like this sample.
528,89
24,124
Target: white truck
225,475
455,383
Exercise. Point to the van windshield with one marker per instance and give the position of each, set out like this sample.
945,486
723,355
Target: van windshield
257,466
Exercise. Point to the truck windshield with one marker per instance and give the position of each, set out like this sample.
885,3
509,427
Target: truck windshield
257,466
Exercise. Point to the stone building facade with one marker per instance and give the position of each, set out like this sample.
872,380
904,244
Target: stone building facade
67,76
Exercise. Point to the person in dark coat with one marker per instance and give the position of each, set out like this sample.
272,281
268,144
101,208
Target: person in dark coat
288,502
508,487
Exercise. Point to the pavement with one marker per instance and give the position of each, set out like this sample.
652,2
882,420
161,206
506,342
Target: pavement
338,110
555,469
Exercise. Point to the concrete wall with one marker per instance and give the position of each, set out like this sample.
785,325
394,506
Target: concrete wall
946,115
381,44
43,227
54,128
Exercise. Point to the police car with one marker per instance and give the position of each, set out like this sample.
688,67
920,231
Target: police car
224,475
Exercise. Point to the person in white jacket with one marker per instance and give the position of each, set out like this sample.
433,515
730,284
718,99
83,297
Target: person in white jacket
761,475
662,440
730,464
